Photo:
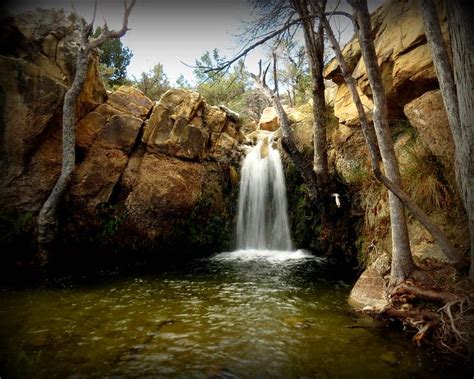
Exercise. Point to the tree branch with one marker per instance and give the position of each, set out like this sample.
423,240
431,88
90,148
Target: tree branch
106,34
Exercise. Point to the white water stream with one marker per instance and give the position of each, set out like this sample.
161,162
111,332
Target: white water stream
262,220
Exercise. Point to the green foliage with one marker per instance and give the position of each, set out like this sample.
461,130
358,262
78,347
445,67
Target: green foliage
356,173
206,229
293,73
181,82
15,227
305,220
114,59
153,83
223,88
403,128
111,216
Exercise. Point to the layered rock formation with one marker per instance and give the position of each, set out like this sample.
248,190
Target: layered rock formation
144,171
421,134
404,59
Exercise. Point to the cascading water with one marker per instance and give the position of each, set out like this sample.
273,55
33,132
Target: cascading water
262,220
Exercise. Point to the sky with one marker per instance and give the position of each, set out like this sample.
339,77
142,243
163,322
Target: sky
175,31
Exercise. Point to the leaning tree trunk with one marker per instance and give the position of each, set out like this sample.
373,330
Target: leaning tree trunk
47,218
461,27
314,43
370,138
288,140
457,90
402,261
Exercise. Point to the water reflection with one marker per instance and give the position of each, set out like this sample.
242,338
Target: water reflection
226,316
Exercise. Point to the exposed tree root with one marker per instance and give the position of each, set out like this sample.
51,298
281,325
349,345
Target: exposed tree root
413,292
439,315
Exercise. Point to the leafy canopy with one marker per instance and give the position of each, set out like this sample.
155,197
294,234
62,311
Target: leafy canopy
224,88
153,83
114,59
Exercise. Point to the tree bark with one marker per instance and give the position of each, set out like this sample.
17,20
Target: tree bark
370,138
314,43
457,90
47,218
275,75
461,27
402,261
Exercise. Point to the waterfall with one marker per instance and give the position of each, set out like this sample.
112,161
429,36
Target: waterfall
262,220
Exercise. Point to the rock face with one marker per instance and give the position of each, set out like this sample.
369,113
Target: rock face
183,125
37,65
145,172
428,116
422,141
404,59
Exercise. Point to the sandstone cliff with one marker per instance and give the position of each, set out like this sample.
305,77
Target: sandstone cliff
145,172
420,132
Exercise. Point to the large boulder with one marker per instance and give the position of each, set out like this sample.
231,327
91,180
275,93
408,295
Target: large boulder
269,120
49,39
97,175
369,291
165,191
30,102
184,126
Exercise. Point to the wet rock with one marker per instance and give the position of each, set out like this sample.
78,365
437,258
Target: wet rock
39,342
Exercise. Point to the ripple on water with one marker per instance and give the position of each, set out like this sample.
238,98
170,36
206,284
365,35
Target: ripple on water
244,314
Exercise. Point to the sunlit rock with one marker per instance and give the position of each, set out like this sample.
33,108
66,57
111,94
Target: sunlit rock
269,120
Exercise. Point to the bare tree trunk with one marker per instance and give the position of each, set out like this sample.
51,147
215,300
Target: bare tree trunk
402,261
457,91
275,75
288,140
314,43
370,138
290,98
47,218
461,27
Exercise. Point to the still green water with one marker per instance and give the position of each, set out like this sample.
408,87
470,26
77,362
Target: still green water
236,315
